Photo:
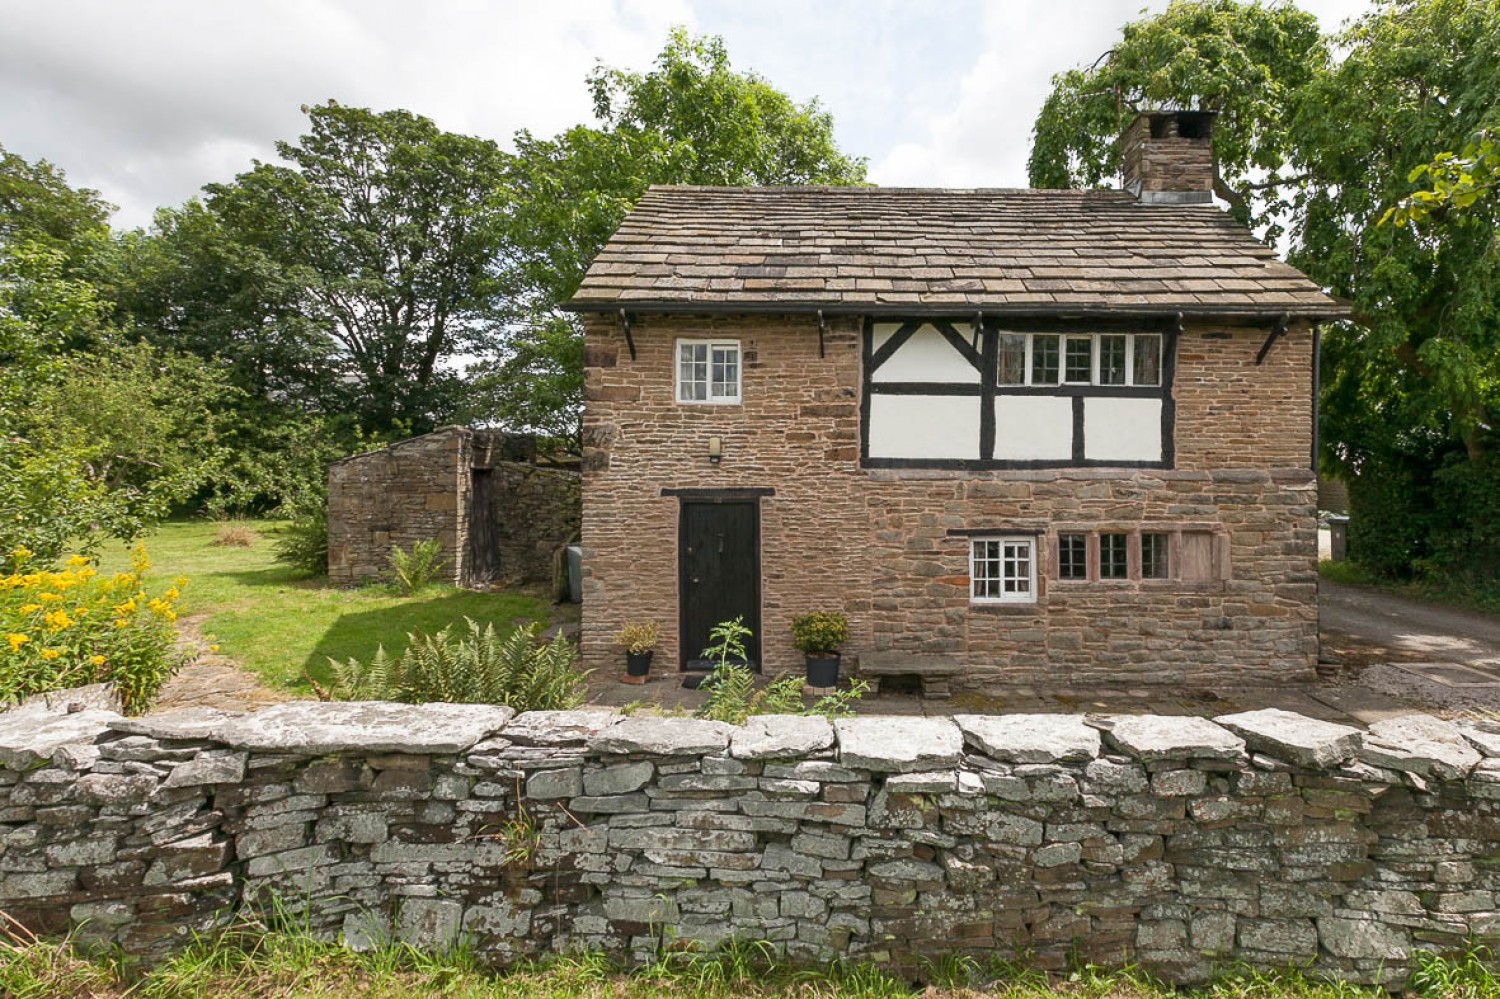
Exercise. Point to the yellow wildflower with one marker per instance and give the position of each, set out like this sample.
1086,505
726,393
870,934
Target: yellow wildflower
172,594
21,553
97,660
125,609
57,620
30,608
49,598
16,641
213,648
78,561
50,654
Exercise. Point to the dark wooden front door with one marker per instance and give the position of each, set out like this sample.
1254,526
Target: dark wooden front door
719,572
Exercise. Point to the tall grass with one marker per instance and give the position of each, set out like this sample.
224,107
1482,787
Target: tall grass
279,956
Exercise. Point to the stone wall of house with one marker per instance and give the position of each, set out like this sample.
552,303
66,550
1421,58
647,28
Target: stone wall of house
1262,838
422,489
886,546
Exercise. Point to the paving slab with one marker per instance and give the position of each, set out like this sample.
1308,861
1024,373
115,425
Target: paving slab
1031,738
1420,744
1307,742
766,737
1151,738
315,728
897,744
662,736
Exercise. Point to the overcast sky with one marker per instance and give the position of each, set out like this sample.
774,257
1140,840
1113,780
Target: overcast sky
147,100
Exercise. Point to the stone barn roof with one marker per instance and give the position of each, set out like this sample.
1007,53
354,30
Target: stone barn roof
906,251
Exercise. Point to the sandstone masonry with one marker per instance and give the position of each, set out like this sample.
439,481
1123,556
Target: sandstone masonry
1183,844
450,485
889,547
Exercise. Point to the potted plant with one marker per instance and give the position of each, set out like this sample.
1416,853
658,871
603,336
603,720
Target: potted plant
819,636
639,641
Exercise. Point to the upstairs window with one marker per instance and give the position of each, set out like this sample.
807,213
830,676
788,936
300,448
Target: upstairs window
1132,359
708,371
1002,570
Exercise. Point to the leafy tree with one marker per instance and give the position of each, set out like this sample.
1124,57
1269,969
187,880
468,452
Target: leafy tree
1459,180
1247,62
380,236
97,437
1318,151
38,206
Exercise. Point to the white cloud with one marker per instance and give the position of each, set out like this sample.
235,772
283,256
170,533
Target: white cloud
985,137
149,100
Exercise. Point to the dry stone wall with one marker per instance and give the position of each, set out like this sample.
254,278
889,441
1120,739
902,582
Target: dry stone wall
1184,844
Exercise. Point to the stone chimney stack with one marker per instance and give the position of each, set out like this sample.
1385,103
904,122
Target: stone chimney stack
1167,157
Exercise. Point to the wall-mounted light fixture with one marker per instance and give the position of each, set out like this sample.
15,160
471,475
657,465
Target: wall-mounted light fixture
715,449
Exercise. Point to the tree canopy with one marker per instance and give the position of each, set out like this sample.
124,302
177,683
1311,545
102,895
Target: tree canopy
1317,149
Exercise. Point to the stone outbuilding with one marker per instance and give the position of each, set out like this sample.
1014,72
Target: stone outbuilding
1033,436
500,516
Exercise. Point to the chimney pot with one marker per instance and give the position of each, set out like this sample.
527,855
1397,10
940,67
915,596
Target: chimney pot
1167,157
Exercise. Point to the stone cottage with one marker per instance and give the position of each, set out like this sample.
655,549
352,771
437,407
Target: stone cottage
499,516
1015,435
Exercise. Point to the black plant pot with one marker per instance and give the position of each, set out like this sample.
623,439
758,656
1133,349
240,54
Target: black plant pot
822,670
637,663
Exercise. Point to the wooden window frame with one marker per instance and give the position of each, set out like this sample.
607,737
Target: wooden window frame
1027,598
711,344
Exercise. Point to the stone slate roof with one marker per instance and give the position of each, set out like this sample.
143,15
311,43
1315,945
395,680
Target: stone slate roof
923,251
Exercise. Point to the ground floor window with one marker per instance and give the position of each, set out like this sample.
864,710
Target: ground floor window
1113,556
1154,556
1072,556
1003,570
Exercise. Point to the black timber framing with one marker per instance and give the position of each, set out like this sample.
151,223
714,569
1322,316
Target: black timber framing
987,389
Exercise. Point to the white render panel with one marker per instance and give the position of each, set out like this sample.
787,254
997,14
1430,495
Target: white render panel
1033,428
1122,429
924,426
925,357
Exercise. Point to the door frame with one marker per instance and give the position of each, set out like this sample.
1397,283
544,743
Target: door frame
717,497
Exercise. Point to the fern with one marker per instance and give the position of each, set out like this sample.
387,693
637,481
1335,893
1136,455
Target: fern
479,667
781,697
414,570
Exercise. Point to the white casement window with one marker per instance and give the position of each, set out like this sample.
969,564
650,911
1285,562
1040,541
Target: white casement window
1002,570
1044,359
708,371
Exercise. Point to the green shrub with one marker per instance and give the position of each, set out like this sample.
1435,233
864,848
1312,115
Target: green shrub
639,638
479,667
413,571
303,543
820,633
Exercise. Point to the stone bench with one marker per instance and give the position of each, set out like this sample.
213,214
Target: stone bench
932,670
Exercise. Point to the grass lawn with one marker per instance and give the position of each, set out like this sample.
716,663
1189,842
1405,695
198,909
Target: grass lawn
254,964
278,622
